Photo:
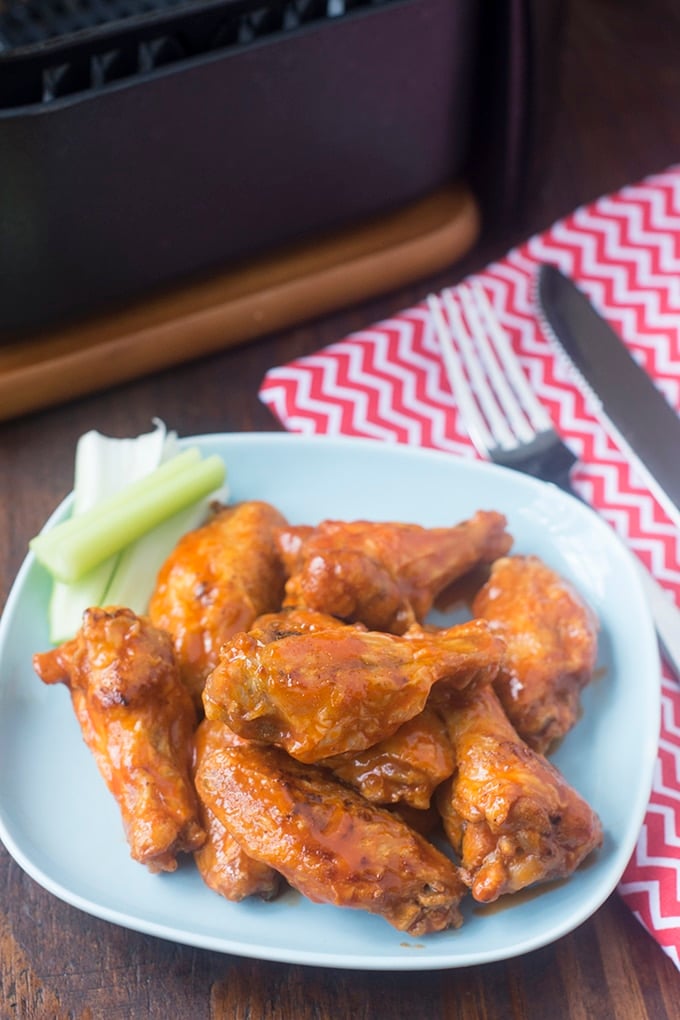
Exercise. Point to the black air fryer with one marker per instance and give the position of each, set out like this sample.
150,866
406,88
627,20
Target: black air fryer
146,142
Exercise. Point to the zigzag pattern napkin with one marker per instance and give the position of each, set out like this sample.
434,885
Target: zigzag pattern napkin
388,382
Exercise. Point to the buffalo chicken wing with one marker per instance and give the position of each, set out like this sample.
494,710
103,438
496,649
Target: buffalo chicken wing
405,768
221,862
510,815
551,638
138,720
327,841
218,579
385,575
341,689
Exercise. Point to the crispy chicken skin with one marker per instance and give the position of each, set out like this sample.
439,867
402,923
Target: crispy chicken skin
405,768
328,842
289,621
223,865
384,575
341,689
138,720
510,815
218,579
551,638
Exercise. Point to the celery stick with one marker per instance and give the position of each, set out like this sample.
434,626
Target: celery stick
135,575
77,545
120,499
46,543
103,466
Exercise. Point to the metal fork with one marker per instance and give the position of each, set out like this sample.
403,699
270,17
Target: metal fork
506,422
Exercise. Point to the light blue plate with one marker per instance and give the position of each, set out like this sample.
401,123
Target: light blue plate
61,825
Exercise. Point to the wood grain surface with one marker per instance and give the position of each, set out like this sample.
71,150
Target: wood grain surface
618,120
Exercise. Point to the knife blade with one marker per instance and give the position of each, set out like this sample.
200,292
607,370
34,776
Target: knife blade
635,412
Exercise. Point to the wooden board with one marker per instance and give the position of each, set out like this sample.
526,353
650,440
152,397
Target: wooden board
240,304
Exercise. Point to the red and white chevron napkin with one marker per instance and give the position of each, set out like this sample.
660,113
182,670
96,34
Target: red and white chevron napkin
388,382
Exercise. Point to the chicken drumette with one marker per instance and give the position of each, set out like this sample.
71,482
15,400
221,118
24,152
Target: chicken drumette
384,575
551,638
138,720
327,841
218,579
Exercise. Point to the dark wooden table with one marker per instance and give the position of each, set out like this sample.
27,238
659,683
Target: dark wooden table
617,121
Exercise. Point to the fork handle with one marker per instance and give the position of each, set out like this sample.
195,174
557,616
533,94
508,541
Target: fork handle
665,613
542,458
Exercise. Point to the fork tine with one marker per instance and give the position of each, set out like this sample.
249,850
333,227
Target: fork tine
540,452
533,408
475,425
492,344
493,417
497,404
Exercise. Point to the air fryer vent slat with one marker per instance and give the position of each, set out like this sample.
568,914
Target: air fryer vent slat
25,22
49,50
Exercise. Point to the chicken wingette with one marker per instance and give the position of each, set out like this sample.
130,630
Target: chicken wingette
138,720
512,818
405,768
328,842
216,581
551,639
223,865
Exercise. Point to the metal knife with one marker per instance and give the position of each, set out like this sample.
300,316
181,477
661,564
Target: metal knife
638,416
633,410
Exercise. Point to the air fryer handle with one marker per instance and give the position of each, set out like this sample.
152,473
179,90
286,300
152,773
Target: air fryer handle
517,89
